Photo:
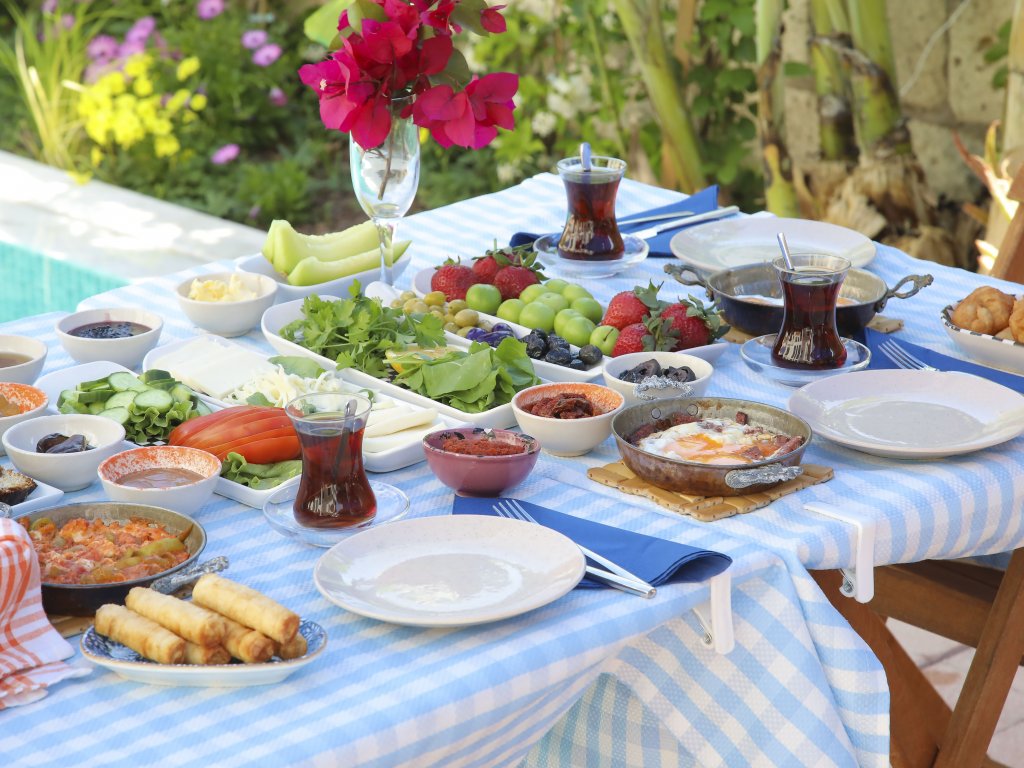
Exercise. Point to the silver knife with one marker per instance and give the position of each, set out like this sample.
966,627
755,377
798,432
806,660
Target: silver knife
641,588
645,234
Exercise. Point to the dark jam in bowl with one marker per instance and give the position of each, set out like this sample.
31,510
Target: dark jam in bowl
109,329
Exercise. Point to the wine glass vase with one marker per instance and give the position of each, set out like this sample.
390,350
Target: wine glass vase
385,180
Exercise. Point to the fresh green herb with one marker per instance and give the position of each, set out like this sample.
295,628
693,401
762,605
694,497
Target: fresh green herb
356,332
472,381
259,477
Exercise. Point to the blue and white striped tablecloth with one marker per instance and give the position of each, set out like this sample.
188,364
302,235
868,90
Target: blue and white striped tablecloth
597,678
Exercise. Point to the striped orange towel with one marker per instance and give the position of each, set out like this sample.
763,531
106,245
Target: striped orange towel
30,648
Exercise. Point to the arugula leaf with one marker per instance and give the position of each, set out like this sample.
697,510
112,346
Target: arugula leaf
297,366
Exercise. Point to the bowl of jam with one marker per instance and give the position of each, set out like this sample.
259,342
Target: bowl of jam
480,462
122,335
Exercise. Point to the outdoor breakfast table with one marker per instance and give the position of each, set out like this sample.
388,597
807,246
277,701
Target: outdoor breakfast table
597,677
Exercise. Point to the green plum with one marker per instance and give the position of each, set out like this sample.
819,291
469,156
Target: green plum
483,298
531,292
577,330
511,309
562,317
538,315
589,308
573,291
555,286
556,301
604,337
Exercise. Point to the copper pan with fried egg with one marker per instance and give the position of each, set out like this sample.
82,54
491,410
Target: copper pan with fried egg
710,479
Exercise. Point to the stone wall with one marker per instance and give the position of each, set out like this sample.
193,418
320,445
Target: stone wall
952,93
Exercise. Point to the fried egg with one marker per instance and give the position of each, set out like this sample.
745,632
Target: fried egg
714,441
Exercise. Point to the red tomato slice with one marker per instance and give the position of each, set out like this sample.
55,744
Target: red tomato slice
286,440
237,429
267,450
192,427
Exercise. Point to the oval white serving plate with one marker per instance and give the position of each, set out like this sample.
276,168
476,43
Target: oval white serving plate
449,571
1005,354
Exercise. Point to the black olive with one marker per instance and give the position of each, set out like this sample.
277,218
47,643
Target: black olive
557,342
559,356
590,354
577,365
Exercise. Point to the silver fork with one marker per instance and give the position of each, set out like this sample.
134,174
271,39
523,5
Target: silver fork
902,358
616,575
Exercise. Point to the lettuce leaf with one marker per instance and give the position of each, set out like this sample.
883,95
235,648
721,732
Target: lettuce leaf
259,477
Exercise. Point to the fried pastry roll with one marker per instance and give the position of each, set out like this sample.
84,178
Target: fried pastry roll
246,606
293,649
206,655
195,624
145,637
246,644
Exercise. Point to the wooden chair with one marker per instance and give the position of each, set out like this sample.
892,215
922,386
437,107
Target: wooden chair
976,606
1009,264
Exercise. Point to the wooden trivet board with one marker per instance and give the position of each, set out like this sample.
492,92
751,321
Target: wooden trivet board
69,626
878,323
705,508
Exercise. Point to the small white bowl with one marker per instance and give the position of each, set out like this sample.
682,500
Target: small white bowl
568,437
31,400
186,499
67,471
27,372
613,366
229,318
1006,354
127,351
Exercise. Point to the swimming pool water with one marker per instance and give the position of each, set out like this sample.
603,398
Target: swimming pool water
31,283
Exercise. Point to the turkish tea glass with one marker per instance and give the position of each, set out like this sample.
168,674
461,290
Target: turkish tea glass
808,337
334,491
591,232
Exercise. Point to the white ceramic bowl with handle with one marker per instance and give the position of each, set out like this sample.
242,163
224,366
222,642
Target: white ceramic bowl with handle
229,318
67,471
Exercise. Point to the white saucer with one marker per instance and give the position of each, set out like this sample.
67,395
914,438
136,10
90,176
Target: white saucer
757,354
392,505
547,254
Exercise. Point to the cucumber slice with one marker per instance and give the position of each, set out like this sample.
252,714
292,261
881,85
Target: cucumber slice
121,399
67,396
95,396
72,407
181,393
89,386
122,382
154,398
97,408
154,375
120,415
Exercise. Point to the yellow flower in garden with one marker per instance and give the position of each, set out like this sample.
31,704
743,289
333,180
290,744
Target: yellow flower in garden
160,127
188,117
142,86
178,100
198,102
188,67
128,129
96,155
111,84
137,65
125,102
165,146
98,126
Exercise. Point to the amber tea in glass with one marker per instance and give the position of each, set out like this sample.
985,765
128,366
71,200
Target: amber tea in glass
334,491
591,232
808,337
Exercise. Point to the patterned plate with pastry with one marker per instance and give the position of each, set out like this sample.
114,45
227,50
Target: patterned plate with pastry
131,666
988,326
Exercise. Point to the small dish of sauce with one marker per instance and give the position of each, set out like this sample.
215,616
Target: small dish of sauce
10,359
109,329
159,477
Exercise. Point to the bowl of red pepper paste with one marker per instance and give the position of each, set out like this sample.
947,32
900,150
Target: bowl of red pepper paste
480,462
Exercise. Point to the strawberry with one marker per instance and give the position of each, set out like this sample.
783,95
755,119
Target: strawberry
631,307
485,268
453,280
631,339
512,280
692,325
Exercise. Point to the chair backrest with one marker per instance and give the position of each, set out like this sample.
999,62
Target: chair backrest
1009,264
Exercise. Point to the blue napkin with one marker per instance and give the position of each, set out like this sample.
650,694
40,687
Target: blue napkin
943,362
654,560
700,202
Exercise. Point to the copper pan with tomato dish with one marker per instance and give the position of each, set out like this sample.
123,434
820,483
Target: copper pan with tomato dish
711,446
93,553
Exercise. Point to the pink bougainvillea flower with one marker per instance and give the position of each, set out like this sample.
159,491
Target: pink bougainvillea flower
277,97
440,18
225,154
266,55
447,115
141,30
492,20
434,54
253,38
491,99
102,48
209,9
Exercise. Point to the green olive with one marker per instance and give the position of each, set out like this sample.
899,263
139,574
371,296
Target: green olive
406,295
435,298
457,306
410,306
464,330
452,327
420,306
467,318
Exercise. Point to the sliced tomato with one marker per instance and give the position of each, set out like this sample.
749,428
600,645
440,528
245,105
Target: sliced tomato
267,451
268,430
286,440
184,431
237,430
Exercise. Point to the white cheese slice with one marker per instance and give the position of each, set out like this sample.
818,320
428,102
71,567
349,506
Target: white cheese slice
213,368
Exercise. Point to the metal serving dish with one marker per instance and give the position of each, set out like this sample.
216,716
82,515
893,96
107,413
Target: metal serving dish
84,599
861,297
709,479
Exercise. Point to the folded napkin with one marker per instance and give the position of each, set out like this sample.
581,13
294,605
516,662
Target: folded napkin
700,202
938,360
654,560
30,648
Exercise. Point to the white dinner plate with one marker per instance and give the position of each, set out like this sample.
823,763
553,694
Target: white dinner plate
449,571
911,414
258,263
68,378
129,665
735,242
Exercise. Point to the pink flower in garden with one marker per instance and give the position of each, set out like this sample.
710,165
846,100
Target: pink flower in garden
277,97
209,9
253,38
130,48
266,55
141,30
225,154
67,21
492,20
49,6
102,48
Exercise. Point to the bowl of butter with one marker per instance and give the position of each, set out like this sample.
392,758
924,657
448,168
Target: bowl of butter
227,303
